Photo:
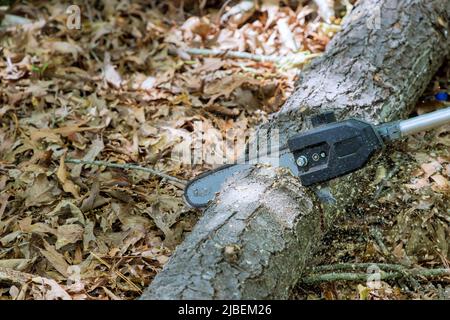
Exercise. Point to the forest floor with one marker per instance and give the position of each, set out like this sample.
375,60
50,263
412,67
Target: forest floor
126,88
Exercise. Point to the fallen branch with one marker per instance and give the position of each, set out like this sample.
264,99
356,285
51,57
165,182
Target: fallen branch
291,60
358,266
347,276
128,166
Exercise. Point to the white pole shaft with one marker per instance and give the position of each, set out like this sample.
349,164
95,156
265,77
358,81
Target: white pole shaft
425,122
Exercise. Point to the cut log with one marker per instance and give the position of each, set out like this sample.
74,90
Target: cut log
255,240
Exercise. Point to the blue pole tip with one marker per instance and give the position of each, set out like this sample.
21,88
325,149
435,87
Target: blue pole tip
441,96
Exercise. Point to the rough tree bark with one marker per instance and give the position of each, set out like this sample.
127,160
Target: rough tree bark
255,239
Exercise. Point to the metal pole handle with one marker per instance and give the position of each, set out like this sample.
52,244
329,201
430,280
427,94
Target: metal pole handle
424,122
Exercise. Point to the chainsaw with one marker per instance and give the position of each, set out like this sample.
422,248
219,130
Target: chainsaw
329,150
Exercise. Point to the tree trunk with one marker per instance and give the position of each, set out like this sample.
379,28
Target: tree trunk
255,239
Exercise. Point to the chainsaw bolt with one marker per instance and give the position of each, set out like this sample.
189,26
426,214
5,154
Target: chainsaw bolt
323,154
302,161
315,157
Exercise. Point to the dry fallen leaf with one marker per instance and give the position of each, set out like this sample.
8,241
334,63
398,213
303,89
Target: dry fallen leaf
110,74
431,168
42,191
68,233
63,176
64,47
55,258
67,208
26,225
442,183
55,292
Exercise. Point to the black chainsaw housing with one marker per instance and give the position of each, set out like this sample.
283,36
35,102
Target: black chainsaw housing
333,149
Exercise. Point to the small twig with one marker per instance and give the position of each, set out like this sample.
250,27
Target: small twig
345,276
358,266
118,273
127,166
231,54
222,110
376,234
348,276
292,59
